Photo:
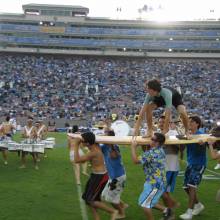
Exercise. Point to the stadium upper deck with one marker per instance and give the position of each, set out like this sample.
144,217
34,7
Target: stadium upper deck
68,30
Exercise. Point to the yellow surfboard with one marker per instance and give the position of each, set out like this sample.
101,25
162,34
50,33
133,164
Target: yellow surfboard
126,140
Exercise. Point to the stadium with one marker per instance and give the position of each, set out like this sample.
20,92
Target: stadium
62,69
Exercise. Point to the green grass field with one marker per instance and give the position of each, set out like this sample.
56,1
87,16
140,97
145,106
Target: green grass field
51,193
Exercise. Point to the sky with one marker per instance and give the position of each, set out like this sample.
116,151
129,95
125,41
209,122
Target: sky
158,10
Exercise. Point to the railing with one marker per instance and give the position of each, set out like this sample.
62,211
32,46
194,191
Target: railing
113,43
116,32
13,27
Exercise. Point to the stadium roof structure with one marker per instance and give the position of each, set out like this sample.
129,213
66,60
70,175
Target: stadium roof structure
11,14
66,29
70,8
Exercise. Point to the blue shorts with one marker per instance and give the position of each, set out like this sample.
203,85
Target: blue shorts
171,180
193,175
150,196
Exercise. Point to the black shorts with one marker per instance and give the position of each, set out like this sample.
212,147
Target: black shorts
176,99
94,187
193,175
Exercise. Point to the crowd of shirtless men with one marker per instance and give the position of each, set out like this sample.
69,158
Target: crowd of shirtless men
31,133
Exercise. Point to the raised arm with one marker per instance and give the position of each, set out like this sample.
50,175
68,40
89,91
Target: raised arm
134,152
75,143
214,154
167,95
140,119
167,120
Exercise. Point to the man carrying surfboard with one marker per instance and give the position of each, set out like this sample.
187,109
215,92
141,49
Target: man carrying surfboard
196,164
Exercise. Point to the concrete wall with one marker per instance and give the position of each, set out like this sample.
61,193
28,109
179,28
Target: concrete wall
111,53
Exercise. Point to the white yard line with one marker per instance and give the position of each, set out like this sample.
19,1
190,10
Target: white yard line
216,175
213,172
81,202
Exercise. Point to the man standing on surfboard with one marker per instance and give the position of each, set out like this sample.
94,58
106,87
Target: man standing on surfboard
156,97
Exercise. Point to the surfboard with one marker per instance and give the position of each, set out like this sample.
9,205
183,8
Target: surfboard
126,140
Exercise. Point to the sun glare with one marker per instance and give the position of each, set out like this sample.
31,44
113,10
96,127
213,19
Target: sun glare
154,10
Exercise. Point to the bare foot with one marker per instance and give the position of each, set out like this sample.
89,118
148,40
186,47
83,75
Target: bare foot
122,215
114,215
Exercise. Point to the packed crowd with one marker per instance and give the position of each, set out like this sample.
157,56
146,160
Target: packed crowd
58,87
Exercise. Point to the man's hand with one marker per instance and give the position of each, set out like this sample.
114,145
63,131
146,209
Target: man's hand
133,151
211,142
165,131
201,142
187,135
135,133
134,143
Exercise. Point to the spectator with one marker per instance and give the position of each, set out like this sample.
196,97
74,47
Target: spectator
75,87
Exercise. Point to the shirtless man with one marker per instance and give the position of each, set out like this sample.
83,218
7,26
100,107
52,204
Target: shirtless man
7,132
98,177
156,97
41,130
215,155
30,135
76,166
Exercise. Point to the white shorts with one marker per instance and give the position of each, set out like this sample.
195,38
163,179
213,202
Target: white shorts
113,195
150,196
72,154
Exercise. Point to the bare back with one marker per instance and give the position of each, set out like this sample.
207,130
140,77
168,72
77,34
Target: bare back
7,128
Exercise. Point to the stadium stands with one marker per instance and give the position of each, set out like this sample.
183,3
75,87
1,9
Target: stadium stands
55,87
67,87
118,32
44,27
